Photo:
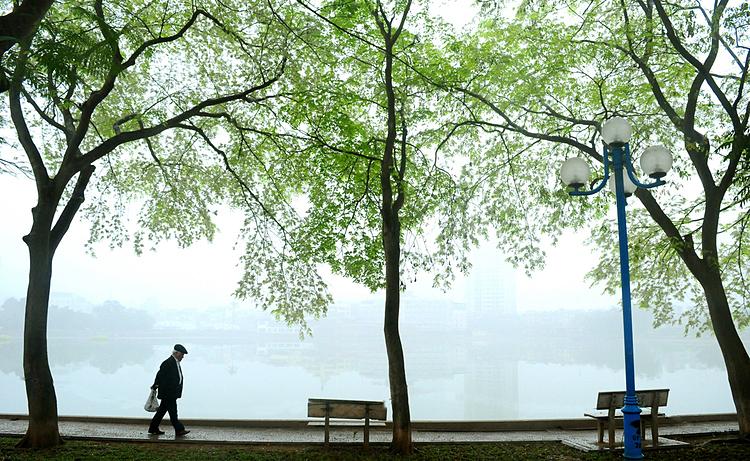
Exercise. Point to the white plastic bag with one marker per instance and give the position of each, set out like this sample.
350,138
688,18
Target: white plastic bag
152,404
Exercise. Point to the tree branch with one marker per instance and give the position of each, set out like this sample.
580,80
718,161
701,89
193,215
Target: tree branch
702,68
647,72
400,197
243,185
724,43
110,144
96,97
337,27
510,125
20,25
401,23
74,203
740,145
47,118
19,122
684,246
12,168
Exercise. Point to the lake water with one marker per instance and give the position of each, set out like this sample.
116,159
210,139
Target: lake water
460,366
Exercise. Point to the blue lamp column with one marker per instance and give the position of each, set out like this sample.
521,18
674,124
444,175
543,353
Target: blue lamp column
575,173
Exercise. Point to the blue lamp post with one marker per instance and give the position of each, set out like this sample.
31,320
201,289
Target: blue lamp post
575,173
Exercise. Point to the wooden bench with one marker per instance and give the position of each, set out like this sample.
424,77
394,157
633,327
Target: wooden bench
346,409
649,400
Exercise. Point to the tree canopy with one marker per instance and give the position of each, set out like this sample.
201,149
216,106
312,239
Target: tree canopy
177,98
551,76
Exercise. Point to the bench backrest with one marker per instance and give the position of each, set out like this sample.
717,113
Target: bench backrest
646,398
350,409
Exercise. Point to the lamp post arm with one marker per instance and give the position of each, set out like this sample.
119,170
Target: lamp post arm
631,173
600,186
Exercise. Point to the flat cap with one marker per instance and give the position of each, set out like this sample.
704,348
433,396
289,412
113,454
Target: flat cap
180,348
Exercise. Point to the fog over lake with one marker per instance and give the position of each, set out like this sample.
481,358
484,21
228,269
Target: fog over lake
499,345
479,360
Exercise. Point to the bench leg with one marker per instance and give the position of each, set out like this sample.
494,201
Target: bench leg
643,429
600,431
325,442
367,431
611,434
655,431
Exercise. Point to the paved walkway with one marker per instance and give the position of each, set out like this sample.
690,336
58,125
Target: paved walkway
136,430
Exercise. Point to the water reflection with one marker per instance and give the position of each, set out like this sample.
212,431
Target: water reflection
461,362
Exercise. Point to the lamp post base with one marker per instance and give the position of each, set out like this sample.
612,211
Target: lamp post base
631,416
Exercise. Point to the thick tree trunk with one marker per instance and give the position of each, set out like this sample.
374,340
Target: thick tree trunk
43,428
401,442
735,355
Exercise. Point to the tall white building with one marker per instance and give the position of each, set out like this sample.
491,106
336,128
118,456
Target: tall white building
491,287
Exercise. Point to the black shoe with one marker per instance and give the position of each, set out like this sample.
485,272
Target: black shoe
181,433
156,432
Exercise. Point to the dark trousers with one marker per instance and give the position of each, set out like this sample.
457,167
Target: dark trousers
166,405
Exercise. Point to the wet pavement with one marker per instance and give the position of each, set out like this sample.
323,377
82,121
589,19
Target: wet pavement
244,432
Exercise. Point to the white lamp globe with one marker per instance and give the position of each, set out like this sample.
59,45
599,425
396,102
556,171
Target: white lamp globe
627,184
656,161
575,172
616,131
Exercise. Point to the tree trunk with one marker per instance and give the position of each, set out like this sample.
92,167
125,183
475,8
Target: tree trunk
401,442
735,355
43,428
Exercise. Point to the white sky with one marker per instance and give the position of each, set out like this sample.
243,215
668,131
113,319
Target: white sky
205,274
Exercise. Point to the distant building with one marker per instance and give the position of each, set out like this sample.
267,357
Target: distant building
491,287
490,388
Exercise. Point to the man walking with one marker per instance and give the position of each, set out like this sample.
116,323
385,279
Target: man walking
169,382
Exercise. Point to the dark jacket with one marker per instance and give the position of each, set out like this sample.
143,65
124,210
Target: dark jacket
168,380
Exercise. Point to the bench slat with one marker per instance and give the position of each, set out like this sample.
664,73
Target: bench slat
603,415
646,398
350,409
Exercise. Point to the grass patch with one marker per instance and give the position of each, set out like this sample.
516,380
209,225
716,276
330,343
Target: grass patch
80,450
